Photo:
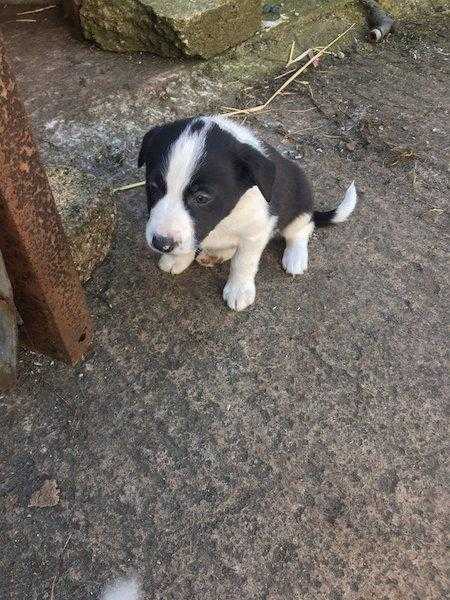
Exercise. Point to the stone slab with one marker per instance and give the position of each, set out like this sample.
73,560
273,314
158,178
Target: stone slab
194,28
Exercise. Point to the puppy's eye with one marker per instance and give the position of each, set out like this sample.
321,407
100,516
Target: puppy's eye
200,198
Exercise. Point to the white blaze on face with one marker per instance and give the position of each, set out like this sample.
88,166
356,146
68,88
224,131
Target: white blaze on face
169,217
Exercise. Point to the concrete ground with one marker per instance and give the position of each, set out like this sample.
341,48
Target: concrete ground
293,451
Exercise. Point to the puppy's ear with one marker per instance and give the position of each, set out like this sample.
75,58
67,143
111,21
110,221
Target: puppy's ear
158,140
259,169
148,142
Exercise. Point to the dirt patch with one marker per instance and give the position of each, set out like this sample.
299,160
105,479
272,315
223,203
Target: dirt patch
294,450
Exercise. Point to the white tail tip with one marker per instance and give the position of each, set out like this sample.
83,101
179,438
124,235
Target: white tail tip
123,589
347,206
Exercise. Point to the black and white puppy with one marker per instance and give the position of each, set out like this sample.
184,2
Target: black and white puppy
214,190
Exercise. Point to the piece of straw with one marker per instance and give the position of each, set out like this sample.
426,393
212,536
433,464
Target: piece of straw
302,56
36,10
291,54
255,109
130,186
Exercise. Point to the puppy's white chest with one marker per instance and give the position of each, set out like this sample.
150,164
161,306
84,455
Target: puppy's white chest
221,238
249,219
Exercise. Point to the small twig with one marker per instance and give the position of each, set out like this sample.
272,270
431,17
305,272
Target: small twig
291,54
295,110
36,10
58,572
130,186
21,21
301,56
261,107
415,176
284,74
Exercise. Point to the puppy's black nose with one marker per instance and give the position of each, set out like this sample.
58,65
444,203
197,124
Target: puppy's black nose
163,244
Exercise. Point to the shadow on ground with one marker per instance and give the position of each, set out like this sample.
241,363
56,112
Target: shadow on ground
296,450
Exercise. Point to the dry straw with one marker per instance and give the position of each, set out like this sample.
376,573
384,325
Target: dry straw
255,109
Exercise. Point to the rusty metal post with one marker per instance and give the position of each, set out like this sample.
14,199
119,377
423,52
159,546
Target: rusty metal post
47,289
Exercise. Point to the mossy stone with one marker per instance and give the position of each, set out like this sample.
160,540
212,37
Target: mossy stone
193,28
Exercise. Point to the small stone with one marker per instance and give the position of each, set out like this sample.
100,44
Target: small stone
47,495
350,146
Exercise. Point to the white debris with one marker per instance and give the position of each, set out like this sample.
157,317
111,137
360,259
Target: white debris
123,589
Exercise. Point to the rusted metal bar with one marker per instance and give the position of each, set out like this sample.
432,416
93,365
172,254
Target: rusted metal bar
47,290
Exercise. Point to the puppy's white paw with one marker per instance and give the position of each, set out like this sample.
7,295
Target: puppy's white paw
175,264
295,259
240,294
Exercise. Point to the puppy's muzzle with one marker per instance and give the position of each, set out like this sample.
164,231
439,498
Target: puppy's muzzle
163,244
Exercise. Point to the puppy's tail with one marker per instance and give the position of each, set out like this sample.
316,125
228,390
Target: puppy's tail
123,589
339,214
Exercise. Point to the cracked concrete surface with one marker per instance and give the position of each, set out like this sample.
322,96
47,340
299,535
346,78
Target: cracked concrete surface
296,450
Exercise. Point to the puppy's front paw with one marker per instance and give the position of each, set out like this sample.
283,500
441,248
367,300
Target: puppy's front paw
175,264
239,294
211,260
295,259
207,260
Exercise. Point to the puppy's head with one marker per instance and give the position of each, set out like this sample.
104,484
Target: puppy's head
196,172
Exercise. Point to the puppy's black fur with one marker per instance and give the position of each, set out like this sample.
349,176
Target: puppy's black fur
291,191
227,170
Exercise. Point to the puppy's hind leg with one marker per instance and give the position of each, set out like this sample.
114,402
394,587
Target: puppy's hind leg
297,234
